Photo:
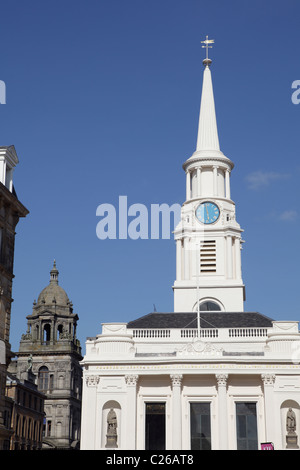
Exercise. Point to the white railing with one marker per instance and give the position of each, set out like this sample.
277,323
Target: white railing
204,333
151,333
247,332
180,334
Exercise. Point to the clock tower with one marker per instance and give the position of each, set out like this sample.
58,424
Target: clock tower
208,236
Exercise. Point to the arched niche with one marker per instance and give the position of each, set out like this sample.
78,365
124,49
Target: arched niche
110,405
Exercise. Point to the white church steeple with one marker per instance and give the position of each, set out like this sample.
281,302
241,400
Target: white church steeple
207,131
208,237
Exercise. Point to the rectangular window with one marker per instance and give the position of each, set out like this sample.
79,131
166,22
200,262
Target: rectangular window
155,426
200,426
246,426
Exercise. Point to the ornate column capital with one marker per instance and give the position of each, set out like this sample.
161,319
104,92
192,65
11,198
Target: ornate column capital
92,380
131,380
222,379
268,379
176,380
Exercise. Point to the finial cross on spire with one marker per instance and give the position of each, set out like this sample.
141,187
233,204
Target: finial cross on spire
207,46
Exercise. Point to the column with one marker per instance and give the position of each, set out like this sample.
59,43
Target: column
188,185
222,411
229,256
2,170
178,260
227,184
176,380
215,177
131,383
198,181
237,246
268,381
186,258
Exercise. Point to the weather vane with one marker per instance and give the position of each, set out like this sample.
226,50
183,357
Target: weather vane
207,46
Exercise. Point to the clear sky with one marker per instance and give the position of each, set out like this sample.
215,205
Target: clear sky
102,100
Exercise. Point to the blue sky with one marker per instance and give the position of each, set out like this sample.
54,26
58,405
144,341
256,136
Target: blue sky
103,100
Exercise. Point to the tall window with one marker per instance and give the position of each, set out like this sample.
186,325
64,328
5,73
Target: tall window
200,426
246,426
155,426
47,333
43,378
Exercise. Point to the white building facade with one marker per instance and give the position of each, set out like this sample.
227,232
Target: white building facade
208,375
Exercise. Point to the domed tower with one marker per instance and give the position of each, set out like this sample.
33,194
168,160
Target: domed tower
51,342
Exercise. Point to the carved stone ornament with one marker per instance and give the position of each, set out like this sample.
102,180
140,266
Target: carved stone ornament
268,379
92,380
176,380
200,348
131,380
222,379
26,337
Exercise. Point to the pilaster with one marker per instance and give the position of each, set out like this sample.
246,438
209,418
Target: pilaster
222,410
176,380
131,385
268,383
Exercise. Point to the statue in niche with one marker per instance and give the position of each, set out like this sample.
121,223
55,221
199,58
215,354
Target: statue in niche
112,425
291,437
290,421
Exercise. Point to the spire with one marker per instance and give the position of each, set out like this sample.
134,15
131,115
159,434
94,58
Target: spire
207,131
54,274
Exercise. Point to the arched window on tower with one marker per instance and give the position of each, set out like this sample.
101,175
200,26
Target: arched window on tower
43,378
59,331
47,333
209,306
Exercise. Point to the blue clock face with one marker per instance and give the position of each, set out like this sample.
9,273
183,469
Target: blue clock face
207,212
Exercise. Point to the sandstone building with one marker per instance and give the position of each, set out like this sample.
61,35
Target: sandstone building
11,210
52,343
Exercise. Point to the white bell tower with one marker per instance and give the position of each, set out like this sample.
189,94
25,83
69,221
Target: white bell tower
208,237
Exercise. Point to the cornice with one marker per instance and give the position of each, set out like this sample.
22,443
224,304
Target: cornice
206,156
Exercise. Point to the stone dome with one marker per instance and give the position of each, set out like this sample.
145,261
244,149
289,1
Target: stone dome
53,293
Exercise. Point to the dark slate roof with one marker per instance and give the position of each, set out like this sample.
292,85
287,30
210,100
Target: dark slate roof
207,320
